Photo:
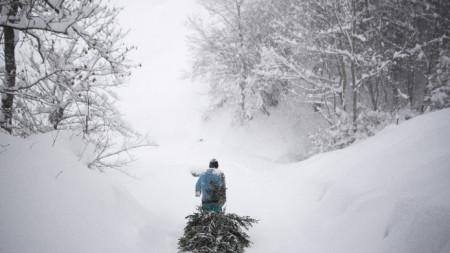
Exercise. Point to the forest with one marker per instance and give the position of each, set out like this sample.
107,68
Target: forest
360,64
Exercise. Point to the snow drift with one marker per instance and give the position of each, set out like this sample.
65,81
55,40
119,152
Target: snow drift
389,193
51,202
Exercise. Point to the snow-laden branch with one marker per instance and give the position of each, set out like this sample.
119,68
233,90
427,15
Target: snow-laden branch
304,75
33,15
372,74
419,47
28,86
101,159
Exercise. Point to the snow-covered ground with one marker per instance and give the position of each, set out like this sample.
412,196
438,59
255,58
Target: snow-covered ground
50,202
389,193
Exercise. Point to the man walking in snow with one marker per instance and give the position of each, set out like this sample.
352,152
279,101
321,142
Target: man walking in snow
211,185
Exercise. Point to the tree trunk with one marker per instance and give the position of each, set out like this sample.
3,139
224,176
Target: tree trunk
411,80
353,70
344,82
10,78
355,94
244,71
58,117
372,94
434,55
395,96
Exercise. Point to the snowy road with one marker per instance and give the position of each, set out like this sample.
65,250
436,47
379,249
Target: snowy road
386,194
164,185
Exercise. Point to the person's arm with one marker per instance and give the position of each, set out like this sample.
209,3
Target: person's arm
198,187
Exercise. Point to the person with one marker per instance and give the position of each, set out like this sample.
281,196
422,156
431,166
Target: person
211,186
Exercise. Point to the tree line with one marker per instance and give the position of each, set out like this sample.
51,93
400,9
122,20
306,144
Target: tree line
357,63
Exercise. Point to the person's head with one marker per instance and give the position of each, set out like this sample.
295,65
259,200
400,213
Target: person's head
214,164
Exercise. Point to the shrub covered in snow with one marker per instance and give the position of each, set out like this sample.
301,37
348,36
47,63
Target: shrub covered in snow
344,132
440,90
209,232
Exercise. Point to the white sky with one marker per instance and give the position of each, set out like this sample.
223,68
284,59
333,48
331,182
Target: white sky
157,100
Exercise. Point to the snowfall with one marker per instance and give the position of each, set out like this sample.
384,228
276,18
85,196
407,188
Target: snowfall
388,193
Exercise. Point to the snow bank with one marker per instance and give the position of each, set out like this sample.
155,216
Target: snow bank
50,202
389,193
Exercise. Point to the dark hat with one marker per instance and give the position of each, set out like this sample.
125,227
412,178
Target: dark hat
214,163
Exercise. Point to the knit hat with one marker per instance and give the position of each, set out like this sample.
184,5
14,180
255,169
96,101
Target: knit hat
214,163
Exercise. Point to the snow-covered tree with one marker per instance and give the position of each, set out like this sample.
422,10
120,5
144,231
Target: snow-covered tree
210,232
440,83
226,50
63,60
358,63
35,19
353,61
414,34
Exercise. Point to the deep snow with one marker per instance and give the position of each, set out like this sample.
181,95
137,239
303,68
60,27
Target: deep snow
389,193
50,202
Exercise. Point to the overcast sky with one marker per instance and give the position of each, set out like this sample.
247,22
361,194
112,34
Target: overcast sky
158,101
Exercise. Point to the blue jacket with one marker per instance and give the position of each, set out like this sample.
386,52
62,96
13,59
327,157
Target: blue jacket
204,185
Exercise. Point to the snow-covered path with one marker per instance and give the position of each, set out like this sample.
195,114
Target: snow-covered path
164,185
386,194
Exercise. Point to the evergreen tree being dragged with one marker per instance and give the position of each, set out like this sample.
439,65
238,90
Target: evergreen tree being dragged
208,232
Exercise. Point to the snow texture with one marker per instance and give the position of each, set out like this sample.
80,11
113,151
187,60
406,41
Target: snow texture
50,202
388,193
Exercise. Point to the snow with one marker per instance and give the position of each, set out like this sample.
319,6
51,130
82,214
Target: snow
159,98
388,193
50,202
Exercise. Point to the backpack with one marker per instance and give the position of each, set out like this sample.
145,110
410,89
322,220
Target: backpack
217,192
